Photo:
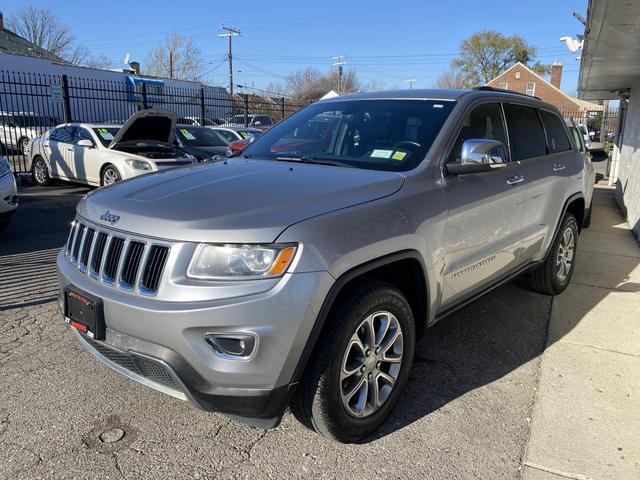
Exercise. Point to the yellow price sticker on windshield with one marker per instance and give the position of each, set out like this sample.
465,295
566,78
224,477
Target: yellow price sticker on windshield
399,155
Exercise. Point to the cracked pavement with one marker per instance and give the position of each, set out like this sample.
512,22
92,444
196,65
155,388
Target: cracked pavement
465,413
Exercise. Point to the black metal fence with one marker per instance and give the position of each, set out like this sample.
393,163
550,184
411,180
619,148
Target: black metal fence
601,124
30,104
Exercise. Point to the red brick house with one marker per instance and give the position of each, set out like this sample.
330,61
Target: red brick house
520,78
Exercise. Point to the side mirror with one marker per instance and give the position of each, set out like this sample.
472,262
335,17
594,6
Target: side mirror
480,155
85,143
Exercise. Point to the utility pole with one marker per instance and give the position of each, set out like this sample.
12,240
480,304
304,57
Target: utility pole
231,32
339,63
170,63
410,82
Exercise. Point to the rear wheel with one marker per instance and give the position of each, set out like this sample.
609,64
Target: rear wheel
360,365
40,172
552,277
22,146
110,175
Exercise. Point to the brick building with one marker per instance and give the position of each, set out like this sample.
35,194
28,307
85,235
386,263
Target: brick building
520,78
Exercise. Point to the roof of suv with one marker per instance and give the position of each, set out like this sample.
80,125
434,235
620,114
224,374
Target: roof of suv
431,93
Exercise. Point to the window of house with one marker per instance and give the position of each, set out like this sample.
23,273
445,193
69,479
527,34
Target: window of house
525,132
517,75
557,139
503,85
531,88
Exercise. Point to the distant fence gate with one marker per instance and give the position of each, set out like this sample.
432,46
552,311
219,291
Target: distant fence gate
30,104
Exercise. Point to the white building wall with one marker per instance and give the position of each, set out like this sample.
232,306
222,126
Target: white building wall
628,182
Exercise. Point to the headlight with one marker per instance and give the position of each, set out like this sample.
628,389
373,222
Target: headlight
138,164
240,262
4,167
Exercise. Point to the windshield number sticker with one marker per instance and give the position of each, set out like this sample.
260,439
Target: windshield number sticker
106,134
399,155
187,134
381,153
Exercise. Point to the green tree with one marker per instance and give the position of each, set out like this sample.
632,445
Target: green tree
486,54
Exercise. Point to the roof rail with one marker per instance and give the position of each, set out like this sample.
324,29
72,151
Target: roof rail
503,90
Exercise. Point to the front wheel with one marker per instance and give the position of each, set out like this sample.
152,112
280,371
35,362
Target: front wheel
110,175
552,277
360,365
40,172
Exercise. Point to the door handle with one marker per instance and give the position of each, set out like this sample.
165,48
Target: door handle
558,166
515,179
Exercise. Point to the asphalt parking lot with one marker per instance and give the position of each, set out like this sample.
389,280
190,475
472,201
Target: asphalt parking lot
465,413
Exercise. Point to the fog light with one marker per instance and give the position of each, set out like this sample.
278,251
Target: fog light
232,345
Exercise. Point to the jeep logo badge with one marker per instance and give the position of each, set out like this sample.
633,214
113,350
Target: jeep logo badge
112,218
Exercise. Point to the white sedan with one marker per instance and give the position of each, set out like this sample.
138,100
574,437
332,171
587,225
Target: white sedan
104,154
8,193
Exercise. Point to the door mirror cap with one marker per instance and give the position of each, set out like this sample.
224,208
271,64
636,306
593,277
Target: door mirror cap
85,143
480,155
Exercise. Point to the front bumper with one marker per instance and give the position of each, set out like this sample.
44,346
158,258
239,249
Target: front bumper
161,344
8,194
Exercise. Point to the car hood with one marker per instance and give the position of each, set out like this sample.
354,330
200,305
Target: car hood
153,125
236,201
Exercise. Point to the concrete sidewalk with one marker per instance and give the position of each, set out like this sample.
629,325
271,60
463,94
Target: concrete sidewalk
586,418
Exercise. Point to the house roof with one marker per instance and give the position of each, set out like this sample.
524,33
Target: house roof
11,42
580,103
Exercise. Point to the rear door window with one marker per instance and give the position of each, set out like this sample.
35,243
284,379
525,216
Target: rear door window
557,139
525,132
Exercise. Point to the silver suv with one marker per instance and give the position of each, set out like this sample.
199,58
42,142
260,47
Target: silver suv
301,272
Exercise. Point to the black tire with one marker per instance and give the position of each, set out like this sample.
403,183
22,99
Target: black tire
587,220
546,278
317,402
106,172
22,146
40,172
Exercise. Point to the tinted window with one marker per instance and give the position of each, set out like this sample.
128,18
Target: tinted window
232,137
557,139
525,132
577,138
393,135
82,134
201,137
62,134
484,122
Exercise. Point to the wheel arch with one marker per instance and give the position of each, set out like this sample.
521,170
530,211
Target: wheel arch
405,270
104,166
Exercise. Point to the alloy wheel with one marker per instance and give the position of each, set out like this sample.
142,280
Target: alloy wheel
40,171
110,176
371,364
566,253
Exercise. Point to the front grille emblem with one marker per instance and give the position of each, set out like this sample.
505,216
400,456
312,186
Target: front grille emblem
110,217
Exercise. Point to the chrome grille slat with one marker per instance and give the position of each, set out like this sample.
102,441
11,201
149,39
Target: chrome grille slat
130,264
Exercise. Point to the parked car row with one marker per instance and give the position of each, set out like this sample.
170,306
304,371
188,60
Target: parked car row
102,154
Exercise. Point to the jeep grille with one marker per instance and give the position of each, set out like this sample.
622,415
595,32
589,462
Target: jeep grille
113,259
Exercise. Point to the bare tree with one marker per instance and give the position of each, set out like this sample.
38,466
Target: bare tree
100,62
41,27
452,78
311,84
177,57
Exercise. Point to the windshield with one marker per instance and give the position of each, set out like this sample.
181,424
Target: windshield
392,135
201,137
106,134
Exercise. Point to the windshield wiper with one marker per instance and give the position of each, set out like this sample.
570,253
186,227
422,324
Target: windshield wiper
314,160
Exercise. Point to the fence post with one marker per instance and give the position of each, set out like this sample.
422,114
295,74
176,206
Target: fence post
66,104
245,97
282,108
144,96
202,112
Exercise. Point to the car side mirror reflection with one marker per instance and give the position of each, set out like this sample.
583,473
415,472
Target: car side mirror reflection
480,155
